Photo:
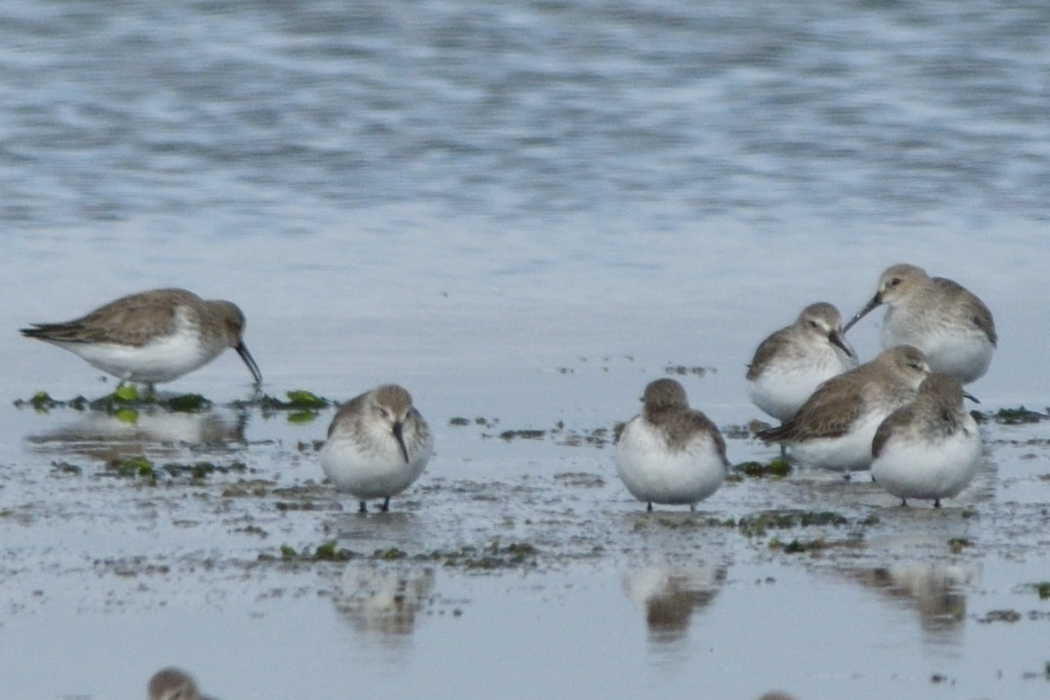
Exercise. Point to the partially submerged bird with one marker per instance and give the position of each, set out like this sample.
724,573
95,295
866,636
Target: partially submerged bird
152,337
670,453
930,448
835,427
952,327
378,445
791,363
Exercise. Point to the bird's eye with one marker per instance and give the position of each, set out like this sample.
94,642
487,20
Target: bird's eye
895,281
814,324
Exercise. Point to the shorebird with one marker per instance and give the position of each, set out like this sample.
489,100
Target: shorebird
835,427
153,336
940,317
791,363
670,453
378,445
174,684
929,448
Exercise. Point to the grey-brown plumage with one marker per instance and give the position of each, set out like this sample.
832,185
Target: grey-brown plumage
378,445
835,427
940,317
790,364
837,404
154,336
820,320
929,448
670,453
666,407
173,684
936,411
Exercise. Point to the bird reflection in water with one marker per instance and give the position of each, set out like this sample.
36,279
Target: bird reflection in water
100,435
935,591
670,596
384,601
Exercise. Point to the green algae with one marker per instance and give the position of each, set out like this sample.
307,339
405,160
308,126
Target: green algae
1017,416
797,546
391,554
135,467
325,552
784,520
777,468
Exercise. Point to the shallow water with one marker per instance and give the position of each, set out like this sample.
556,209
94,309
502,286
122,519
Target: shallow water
523,215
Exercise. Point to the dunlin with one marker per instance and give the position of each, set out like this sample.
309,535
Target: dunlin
930,448
835,427
670,453
153,336
790,364
173,684
949,324
378,444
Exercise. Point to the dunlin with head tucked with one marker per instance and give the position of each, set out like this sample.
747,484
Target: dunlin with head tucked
670,453
946,321
378,444
173,684
790,364
929,448
835,427
153,336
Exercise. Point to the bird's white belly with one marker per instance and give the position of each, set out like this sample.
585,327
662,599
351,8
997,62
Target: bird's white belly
963,353
159,361
914,468
653,473
781,392
367,473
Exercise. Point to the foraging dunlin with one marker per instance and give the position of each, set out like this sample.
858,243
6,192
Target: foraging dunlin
670,453
153,336
929,448
378,444
835,427
946,321
791,363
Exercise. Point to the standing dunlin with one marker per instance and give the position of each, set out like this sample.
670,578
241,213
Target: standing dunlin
835,427
790,364
378,444
929,448
173,684
949,324
670,453
153,336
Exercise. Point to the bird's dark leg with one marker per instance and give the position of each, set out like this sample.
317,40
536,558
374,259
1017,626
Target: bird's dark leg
650,507
363,508
936,503
692,507
904,503
386,505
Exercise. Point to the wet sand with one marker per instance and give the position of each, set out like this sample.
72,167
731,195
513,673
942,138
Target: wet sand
208,540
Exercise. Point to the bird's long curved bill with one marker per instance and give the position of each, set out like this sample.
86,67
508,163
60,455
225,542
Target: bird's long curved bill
968,395
875,301
398,433
242,350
